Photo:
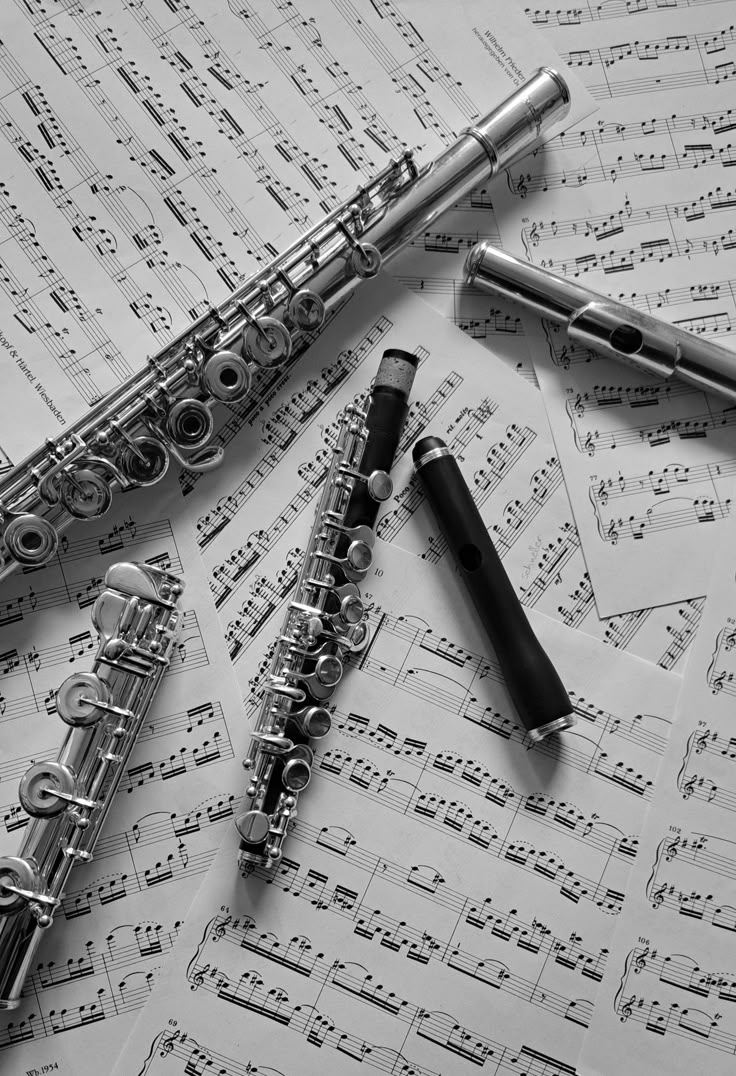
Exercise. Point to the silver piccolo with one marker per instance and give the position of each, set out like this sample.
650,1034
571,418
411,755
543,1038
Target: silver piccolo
127,439
325,620
604,325
137,619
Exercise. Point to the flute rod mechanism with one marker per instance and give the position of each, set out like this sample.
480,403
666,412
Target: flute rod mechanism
166,411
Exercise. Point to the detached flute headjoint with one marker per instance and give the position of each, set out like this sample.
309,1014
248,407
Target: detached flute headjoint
605,326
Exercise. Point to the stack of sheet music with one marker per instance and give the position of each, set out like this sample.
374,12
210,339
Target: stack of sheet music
450,898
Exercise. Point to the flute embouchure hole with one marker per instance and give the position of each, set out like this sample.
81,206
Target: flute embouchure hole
627,339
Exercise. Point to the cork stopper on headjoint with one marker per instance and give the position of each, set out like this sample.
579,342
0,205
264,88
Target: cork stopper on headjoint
397,370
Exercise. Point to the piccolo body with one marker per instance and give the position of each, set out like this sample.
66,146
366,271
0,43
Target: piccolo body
603,325
137,619
165,411
325,620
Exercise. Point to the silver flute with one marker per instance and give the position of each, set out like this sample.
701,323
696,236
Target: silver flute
604,325
326,619
137,619
127,439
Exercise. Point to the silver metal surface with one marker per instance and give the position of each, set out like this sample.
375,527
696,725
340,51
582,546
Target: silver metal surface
324,622
137,620
433,454
603,325
127,439
567,721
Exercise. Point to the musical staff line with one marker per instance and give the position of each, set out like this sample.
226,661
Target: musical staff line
504,925
179,1046
681,971
298,955
249,991
720,674
650,251
456,821
410,78
471,775
662,1019
149,940
629,219
613,9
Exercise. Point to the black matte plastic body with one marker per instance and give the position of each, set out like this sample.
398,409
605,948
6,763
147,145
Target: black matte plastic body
385,421
531,679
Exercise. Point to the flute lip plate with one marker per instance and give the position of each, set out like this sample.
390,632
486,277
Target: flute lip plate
473,261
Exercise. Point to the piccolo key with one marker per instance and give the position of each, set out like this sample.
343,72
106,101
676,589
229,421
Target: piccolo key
531,679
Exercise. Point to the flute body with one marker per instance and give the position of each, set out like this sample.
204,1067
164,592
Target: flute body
165,411
137,619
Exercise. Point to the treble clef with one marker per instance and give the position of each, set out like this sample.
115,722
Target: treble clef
167,1044
626,1008
220,927
657,897
670,849
686,783
640,960
197,978
717,682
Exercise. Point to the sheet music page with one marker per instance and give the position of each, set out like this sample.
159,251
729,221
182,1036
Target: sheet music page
121,913
667,1002
156,153
440,868
638,204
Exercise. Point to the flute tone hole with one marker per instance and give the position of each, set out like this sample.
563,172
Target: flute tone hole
31,542
192,424
470,557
